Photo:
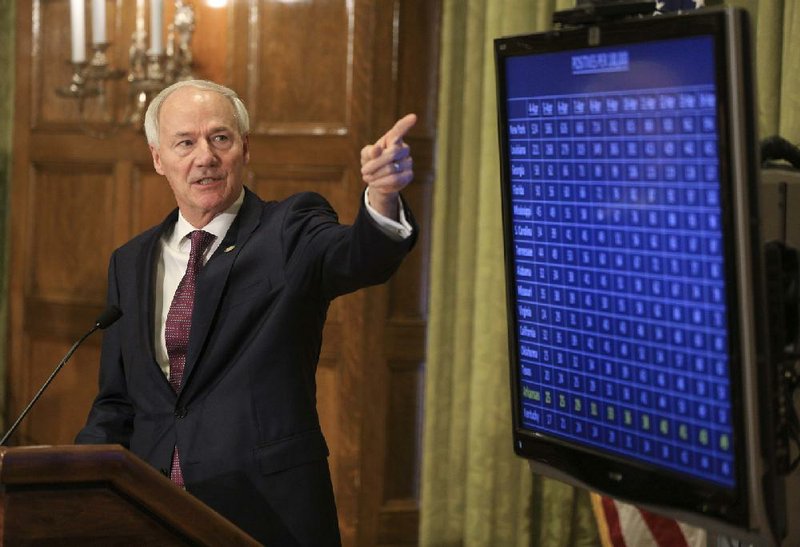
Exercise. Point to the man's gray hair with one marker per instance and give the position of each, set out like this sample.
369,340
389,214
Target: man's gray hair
151,116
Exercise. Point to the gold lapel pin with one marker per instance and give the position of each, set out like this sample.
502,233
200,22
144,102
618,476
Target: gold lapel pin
229,249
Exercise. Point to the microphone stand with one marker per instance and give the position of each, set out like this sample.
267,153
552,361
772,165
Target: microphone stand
109,316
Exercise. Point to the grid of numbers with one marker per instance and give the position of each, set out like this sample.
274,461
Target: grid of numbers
619,274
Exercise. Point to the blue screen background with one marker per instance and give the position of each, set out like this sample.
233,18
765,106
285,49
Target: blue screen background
619,266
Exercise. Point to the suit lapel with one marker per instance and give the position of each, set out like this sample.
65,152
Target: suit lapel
214,276
145,276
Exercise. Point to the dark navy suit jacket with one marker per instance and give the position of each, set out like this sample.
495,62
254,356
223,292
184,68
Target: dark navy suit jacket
245,420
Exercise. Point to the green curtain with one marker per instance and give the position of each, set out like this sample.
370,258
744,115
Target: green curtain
474,490
775,24
788,123
6,121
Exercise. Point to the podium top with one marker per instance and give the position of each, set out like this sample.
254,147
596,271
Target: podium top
97,492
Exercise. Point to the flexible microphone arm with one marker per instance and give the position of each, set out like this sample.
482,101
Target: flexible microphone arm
106,319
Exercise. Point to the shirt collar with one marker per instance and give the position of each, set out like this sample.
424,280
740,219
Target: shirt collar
218,226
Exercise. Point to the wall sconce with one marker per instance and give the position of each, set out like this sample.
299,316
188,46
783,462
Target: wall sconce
150,70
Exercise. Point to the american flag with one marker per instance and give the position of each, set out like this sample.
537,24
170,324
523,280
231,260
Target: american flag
663,6
624,525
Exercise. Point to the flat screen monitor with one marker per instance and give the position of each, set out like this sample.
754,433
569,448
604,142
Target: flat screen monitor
639,345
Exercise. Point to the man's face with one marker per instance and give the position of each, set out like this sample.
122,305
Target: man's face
200,152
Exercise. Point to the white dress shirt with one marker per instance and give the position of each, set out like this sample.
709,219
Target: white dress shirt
175,246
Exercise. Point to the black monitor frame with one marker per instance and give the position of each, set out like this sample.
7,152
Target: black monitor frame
754,508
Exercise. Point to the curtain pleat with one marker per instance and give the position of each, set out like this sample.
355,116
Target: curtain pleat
789,109
474,490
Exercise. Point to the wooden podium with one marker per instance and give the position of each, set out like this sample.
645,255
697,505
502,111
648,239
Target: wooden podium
100,495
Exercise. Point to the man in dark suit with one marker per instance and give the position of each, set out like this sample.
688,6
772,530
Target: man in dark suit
230,412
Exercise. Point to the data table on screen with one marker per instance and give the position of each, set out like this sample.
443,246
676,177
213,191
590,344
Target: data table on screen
619,274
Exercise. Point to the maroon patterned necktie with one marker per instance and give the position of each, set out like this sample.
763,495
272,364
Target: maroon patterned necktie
179,322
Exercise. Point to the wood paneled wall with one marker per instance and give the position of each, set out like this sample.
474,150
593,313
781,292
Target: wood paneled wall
321,78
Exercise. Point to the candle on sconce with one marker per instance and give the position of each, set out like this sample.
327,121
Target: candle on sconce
98,21
156,23
78,27
139,17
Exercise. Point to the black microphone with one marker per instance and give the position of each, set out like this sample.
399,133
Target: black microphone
106,319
